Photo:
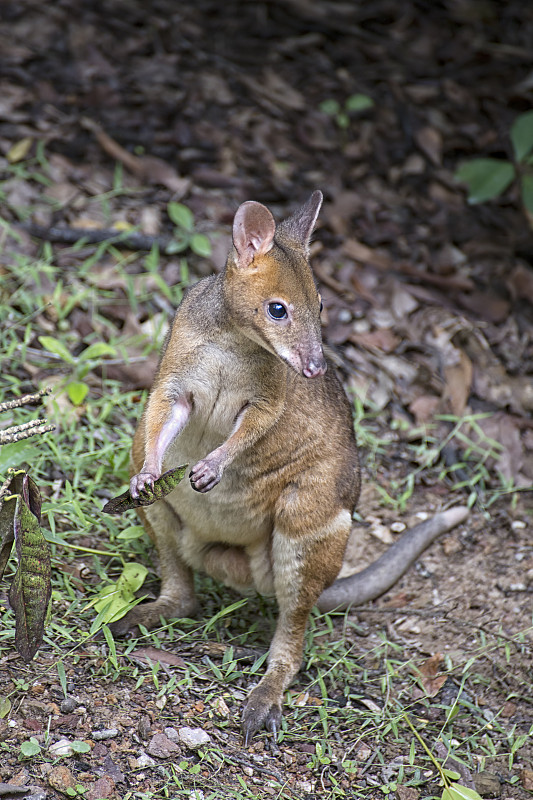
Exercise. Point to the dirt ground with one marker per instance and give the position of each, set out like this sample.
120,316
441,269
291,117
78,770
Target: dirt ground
429,300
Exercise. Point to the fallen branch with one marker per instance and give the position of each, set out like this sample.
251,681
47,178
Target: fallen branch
130,240
18,432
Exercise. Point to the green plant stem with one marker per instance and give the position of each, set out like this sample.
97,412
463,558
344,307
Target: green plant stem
436,764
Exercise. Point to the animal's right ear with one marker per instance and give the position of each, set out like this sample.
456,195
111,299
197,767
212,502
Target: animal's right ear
253,232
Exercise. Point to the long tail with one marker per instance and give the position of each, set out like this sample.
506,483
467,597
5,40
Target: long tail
380,576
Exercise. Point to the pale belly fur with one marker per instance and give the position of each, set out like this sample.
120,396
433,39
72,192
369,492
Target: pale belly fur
231,513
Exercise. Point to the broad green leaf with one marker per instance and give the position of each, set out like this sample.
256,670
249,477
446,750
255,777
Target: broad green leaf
77,392
451,775
181,216
58,348
200,245
7,530
522,135
115,600
330,107
343,120
30,591
80,747
5,707
527,191
133,532
176,246
14,454
97,350
19,150
30,748
358,102
162,486
20,484
62,675
486,178
132,578
457,792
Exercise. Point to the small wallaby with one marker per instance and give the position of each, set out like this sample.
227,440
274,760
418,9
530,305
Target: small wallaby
244,395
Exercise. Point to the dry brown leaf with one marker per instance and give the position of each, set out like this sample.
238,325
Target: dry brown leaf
151,654
148,169
365,255
428,673
424,408
382,339
520,283
275,90
429,141
487,306
502,428
458,383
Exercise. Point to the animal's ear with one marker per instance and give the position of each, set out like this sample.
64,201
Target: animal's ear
253,232
299,226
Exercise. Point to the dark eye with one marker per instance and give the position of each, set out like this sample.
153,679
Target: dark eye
321,306
277,310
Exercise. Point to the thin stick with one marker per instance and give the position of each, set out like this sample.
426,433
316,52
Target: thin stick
26,398
24,431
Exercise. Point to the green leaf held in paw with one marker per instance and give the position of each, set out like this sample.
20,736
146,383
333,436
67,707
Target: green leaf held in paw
162,486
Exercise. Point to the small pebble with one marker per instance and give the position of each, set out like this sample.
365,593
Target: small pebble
61,779
173,735
161,746
398,527
61,748
144,727
305,786
101,789
144,760
106,733
36,793
193,738
487,784
68,705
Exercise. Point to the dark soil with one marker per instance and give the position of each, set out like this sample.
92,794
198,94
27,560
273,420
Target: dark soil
429,300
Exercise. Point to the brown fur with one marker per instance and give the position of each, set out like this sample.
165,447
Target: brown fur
244,398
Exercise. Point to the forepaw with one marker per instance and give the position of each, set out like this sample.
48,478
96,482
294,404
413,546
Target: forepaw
206,474
143,480
261,710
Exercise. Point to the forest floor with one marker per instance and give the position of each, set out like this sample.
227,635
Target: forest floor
113,116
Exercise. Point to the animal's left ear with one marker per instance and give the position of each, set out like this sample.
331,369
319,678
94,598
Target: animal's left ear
300,225
253,232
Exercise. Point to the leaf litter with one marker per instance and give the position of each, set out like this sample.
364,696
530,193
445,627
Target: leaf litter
428,300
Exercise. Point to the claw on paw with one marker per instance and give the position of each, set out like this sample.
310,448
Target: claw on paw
260,711
141,481
205,475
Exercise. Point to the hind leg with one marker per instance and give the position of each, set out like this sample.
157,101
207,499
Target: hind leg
176,595
303,567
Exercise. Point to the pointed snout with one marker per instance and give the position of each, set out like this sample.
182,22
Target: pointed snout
314,366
